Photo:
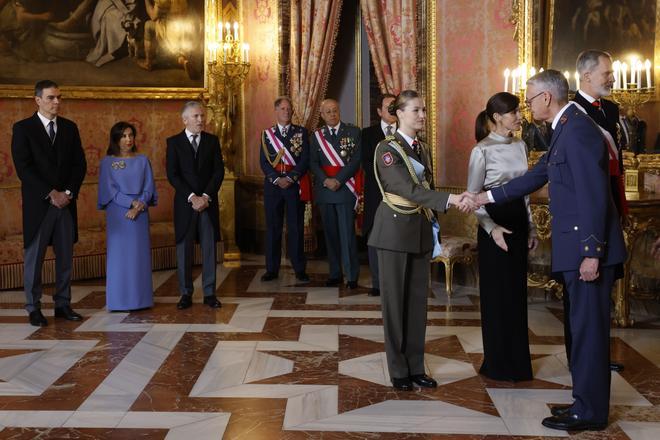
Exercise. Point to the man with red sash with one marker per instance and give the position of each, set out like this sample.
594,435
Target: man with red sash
596,81
284,159
335,162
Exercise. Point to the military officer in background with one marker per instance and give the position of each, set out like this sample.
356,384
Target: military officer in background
335,162
386,126
284,159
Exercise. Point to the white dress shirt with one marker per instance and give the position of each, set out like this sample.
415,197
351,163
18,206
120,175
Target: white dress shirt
189,135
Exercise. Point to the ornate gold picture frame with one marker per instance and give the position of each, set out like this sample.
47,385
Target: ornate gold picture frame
543,27
122,49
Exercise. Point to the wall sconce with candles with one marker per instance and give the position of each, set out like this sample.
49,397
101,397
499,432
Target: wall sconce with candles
228,59
228,65
632,94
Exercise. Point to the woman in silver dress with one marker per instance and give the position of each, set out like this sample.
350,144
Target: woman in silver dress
506,233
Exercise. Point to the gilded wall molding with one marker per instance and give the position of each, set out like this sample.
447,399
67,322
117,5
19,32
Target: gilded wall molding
431,81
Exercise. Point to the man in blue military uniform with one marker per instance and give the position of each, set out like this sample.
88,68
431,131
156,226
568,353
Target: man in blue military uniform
284,159
335,161
587,241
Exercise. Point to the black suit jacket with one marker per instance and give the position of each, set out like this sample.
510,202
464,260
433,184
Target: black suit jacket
43,167
372,197
609,121
189,174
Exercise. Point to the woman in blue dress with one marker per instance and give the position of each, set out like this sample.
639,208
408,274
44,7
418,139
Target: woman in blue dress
126,190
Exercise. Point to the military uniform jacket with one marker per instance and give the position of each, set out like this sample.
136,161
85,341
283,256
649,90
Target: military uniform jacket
347,139
584,218
404,232
296,142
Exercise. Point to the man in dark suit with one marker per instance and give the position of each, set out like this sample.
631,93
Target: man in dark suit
284,159
596,81
195,169
334,161
51,164
372,197
587,241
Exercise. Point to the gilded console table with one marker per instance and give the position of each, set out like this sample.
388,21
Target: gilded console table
643,216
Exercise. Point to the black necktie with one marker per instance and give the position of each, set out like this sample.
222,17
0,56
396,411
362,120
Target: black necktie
415,146
388,130
194,143
332,133
51,132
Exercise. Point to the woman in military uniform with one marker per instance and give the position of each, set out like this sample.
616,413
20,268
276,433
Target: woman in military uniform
403,236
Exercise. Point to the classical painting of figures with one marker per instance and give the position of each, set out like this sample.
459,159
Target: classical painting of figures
103,43
621,27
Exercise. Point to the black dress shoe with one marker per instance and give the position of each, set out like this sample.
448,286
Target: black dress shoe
67,313
402,384
37,319
352,285
332,282
269,276
212,301
615,366
374,292
423,381
185,302
302,277
559,411
572,422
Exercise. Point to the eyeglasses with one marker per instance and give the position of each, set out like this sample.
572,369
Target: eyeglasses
528,102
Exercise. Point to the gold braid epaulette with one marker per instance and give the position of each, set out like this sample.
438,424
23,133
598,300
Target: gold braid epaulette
393,142
278,156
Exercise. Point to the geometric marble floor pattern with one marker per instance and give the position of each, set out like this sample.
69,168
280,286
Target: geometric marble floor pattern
287,360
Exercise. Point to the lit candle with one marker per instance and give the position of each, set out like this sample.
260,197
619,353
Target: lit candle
639,74
507,73
220,32
647,65
624,74
225,47
541,70
247,53
568,77
523,75
228,30
235,31
577,81
633,68
616,66
514,81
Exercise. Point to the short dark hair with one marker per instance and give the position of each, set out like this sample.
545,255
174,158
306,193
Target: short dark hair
279,100
383,97
401,100
501,103
44,84
116,132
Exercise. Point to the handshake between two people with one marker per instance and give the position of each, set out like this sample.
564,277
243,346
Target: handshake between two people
467,201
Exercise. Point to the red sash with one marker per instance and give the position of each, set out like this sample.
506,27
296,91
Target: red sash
304,182
615,171
355,184
288,163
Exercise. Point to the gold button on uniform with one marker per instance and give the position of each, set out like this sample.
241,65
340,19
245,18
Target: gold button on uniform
575,228
598,248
